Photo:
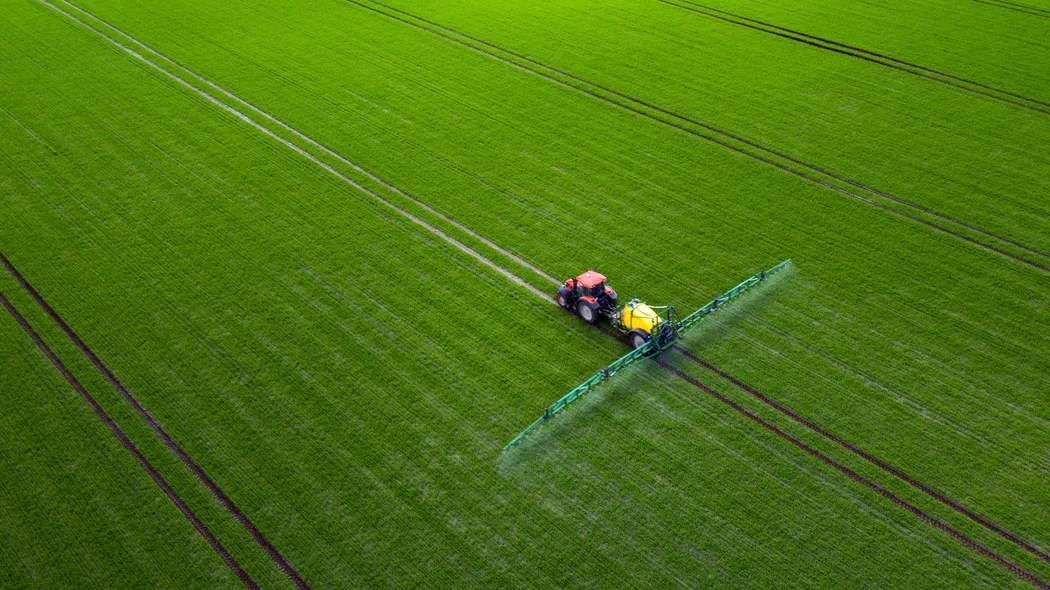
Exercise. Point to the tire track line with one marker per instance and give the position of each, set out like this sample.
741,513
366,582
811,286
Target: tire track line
1032,10
1024,6
120,435
959,82
324,148
944,499
243,117
286,567
876,54
159,430
639,107
510,254
900,502
884,466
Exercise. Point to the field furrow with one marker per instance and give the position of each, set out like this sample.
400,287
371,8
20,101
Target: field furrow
67,484
1038,552
157,428
886,154
928,73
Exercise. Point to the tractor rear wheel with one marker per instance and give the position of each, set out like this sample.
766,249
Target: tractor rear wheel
589,314
638,339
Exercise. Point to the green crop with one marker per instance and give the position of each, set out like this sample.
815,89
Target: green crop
348,378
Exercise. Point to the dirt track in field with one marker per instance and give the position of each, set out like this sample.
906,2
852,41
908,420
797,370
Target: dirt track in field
1018,7
814,427
130,446
320,146
941,77
279,559
886,467
916,511
726,139
385,202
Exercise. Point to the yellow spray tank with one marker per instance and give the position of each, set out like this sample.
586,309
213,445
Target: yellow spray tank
640,322
639,316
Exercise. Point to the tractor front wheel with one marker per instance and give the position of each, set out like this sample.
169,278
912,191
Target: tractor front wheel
588,313
563,301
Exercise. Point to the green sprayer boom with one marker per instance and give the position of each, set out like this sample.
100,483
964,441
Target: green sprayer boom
664,335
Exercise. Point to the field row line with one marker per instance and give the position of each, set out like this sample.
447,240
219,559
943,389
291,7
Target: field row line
790,164
934,414
928,73
316,144
915,510
121,436
867,456
855,449
172,445
313,158
1018,7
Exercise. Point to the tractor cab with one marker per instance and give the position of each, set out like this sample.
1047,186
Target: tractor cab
589,296
592,284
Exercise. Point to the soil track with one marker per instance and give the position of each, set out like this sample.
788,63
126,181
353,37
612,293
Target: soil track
1032,10
741,145
809,424
320,146
812,174
385,202
940,497
155,475
866,55
275,555
916,511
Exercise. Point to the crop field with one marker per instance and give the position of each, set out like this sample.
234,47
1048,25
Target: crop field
277,286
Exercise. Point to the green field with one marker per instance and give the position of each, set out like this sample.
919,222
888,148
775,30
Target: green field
303,255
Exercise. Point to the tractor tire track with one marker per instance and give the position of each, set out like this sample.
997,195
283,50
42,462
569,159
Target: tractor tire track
453,241
496,247
1024,6
954,533
286,567
510,254
870,458
320,146
941,77
726,139
121,436
1017,7
940,497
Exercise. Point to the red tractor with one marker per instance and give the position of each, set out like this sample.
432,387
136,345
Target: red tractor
589,296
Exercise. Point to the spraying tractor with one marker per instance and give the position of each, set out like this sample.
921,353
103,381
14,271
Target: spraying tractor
648,329
589,297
